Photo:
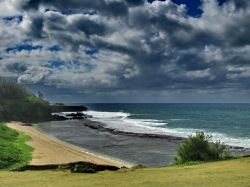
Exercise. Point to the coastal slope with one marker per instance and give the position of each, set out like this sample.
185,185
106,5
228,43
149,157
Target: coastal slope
49,150
216,174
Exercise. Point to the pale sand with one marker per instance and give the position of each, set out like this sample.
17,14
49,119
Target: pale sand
50,150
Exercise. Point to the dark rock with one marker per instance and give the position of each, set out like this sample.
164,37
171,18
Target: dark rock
56,109
27,124
61,117
78,114
79,117
81,167
56,117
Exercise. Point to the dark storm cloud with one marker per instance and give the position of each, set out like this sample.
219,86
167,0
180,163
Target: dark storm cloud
36,28
110,7
241,4
58,22
132,45
239,36
135,2
89,27
194,62
16,67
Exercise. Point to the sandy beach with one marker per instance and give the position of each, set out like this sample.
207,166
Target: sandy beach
50,150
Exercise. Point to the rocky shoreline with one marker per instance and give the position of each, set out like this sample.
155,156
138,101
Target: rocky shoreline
99,126
234,150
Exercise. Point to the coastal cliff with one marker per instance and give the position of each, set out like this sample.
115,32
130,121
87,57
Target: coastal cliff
18,104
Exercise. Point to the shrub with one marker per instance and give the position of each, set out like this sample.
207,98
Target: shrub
199,148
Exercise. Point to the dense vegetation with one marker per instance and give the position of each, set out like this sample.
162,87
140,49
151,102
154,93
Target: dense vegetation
13,150
199,148
17,104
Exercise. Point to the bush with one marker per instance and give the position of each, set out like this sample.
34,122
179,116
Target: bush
199,148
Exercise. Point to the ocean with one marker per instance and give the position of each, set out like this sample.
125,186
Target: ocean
227,123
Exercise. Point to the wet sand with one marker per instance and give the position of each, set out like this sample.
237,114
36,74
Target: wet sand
50,150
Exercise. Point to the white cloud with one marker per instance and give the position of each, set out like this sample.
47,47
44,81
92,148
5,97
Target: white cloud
6,9
149,44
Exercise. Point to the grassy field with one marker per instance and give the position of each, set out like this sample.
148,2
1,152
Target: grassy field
13,150
224,173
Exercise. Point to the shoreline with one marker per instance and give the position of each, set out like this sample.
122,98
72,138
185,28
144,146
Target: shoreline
51,150
93,139
234,150
149,150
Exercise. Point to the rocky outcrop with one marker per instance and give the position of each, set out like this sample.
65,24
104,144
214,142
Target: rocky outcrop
55,108
78,115
77,167
71,116
56,117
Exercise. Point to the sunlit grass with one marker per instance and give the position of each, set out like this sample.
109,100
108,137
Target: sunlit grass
222,173
14,151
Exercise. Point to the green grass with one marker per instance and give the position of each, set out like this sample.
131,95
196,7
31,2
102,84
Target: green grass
215,174
26,151
13,150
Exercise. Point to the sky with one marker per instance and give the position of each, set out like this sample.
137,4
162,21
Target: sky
89,51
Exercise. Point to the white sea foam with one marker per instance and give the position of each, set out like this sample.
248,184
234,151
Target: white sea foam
121,121
107,115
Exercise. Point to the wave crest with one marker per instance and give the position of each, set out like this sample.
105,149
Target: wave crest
123,121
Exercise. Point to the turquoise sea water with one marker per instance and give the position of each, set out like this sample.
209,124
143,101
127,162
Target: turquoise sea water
229,123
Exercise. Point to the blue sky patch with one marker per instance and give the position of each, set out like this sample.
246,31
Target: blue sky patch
11,18
91,52
24,47
55,48
193,6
